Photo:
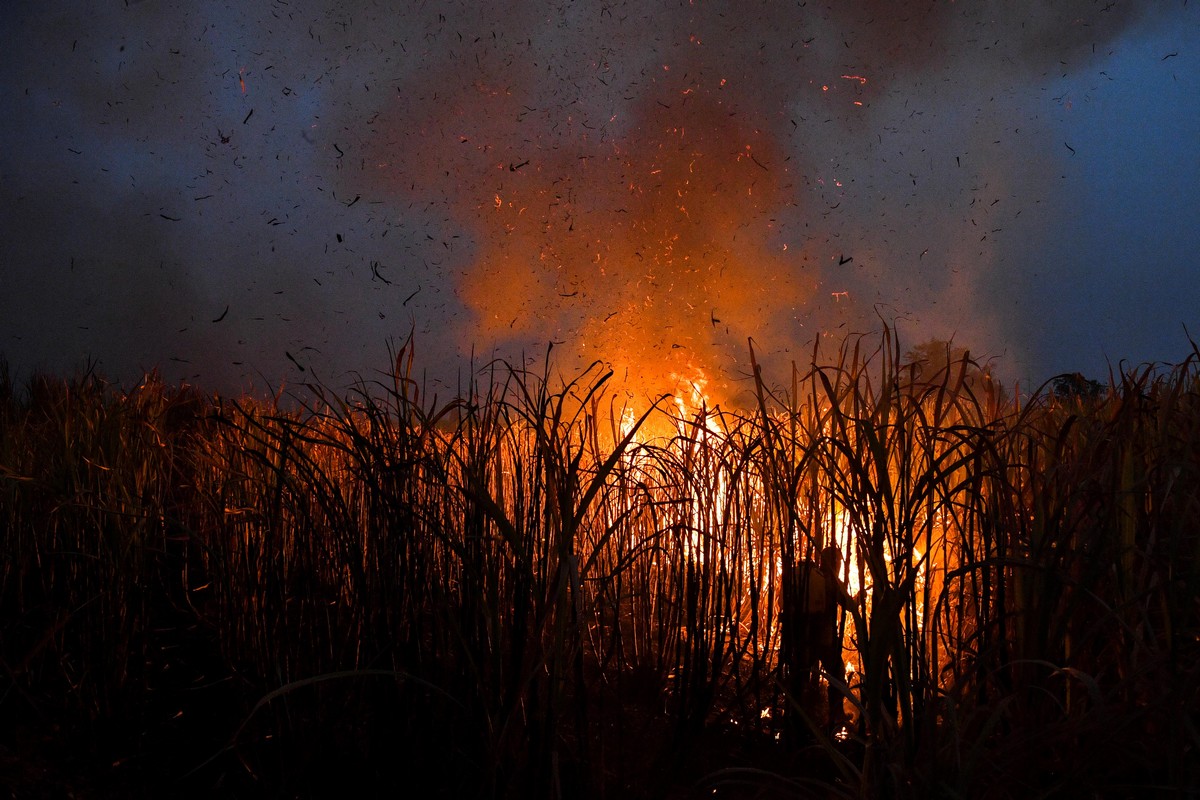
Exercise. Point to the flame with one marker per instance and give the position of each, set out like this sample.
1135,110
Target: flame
692,401
696,433
629,419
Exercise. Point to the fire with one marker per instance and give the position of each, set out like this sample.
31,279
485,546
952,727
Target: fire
688,410
712,511
699,401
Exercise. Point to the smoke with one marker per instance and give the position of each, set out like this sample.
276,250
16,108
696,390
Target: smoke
651,188
242,193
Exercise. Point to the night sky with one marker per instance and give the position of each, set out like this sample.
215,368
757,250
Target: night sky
234,192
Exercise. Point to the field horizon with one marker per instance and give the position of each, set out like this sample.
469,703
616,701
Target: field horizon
541,589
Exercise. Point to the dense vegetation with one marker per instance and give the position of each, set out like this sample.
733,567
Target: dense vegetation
523,593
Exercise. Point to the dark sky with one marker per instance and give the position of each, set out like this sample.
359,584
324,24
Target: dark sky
232,191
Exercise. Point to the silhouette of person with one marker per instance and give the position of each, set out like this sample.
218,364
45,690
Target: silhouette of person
811,632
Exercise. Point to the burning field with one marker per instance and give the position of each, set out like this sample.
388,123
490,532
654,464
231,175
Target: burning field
691,520
537,589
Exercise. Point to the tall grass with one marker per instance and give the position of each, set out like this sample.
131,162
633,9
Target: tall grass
523,592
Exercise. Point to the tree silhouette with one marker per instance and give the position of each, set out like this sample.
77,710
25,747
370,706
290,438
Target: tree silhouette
1073,384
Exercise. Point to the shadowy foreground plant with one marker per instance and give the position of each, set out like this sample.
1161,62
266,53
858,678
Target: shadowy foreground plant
523,592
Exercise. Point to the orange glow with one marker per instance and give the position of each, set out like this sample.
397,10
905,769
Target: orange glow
653,252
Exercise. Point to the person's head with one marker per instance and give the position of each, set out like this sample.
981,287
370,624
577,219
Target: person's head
831,559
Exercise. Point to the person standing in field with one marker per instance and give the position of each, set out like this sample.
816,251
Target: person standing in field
812,635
